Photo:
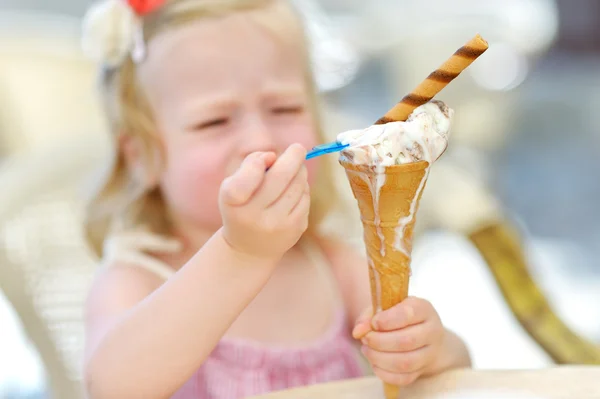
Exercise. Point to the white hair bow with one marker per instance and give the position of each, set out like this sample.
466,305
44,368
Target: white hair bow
112,30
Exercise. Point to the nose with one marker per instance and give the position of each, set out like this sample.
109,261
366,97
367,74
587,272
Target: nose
256,135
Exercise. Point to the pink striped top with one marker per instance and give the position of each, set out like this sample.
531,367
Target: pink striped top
239,368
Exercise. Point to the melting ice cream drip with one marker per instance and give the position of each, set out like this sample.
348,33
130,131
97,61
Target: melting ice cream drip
377,282
405,221
379,182
375,188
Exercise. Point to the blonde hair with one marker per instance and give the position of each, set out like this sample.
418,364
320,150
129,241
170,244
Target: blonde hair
121,199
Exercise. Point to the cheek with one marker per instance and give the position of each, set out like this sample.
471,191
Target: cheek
297,129
308,139
190,182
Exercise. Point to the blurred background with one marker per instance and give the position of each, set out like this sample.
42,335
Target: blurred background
525,142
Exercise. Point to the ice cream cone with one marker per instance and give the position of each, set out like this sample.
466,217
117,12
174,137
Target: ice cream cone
388,199
388,196
388,219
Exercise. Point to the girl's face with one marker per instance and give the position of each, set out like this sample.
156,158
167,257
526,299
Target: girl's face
220,90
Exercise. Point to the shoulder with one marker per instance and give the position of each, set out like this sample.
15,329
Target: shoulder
128,269
118,285
115,289
116,275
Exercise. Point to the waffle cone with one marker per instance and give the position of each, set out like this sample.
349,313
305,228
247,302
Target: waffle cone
388,229
388,220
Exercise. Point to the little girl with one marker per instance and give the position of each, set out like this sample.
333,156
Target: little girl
215,281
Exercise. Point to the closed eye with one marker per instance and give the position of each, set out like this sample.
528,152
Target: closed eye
211,123
296,109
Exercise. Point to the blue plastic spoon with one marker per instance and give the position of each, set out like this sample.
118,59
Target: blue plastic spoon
327,148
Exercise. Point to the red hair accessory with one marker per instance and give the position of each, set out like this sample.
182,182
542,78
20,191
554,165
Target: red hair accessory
144,7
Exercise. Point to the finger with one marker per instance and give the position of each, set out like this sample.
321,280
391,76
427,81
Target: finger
365,316
238,188
300,212
397,379
411,311
363,323
405,362
281,173
405,340
269,158
290,198
302,209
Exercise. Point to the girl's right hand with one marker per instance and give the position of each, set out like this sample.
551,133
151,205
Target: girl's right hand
266,212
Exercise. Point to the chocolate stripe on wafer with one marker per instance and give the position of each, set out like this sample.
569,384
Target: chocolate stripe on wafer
411,101
442,76
384,120
416,100
437,80
469,52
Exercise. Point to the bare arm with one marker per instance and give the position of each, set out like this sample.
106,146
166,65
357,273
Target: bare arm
150,348
145,342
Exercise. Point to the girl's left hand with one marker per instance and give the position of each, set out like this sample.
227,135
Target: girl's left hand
404,342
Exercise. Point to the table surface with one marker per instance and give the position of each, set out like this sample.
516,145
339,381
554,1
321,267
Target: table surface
568,382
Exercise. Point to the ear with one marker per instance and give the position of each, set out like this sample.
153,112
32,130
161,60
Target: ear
140,163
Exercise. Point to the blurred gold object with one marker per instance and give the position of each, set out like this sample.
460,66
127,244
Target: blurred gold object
456,201
500,246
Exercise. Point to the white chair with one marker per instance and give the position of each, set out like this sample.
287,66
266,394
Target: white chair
46,84
45,268
51,135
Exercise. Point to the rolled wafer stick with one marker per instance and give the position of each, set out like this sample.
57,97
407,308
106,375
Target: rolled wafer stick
436,81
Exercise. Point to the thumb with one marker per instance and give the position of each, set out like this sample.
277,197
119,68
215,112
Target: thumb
363,324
